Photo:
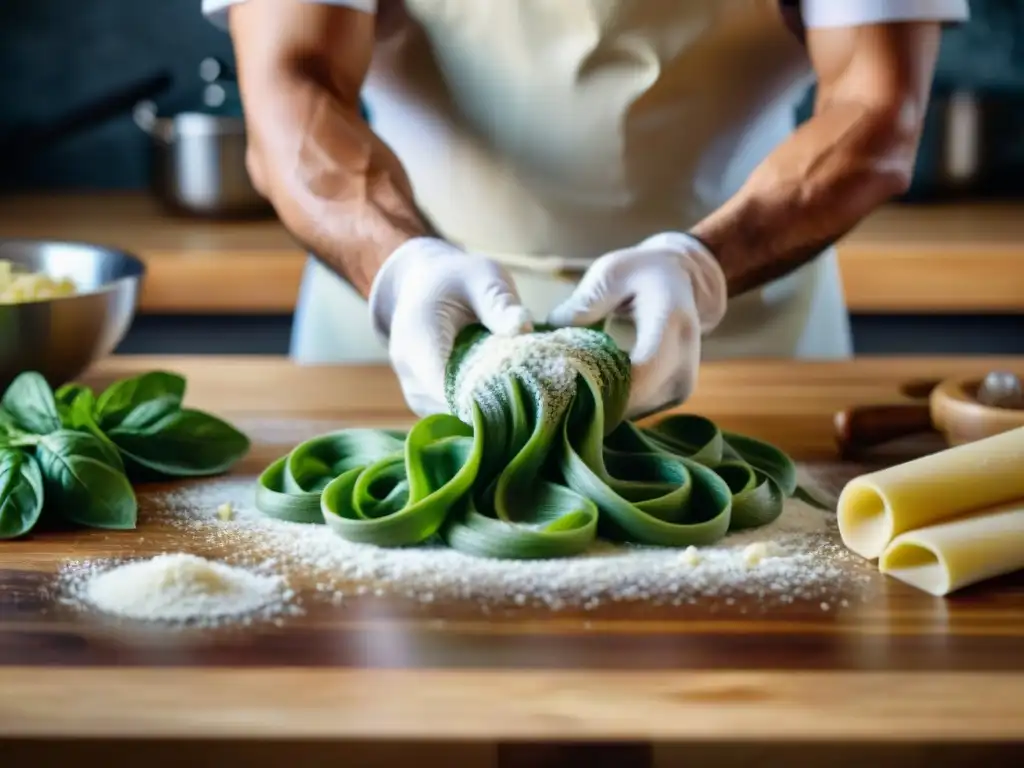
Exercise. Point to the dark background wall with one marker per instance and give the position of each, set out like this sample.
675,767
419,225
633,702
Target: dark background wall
58,54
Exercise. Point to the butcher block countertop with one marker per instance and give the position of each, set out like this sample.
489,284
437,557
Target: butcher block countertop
949,258
899,667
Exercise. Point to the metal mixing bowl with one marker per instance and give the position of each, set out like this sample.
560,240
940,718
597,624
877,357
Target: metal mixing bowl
62,337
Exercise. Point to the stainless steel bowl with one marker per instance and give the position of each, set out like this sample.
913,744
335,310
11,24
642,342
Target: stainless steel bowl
62,337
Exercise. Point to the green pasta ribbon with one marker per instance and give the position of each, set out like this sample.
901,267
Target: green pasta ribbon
535,460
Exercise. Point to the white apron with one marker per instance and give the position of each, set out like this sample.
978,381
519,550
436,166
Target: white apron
533,128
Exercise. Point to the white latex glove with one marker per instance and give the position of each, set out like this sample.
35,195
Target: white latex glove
674,291
426,292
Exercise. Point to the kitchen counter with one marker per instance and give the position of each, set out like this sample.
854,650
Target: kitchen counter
903,259
900,667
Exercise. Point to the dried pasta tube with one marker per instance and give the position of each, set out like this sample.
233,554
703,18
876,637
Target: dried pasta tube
946,557
875,508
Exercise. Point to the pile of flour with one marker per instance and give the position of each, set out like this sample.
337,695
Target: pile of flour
799,557
177,588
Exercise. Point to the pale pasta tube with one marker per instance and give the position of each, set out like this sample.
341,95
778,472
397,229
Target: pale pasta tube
875,508
943,558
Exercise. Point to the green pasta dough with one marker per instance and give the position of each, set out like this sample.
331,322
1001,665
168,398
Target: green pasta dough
534,460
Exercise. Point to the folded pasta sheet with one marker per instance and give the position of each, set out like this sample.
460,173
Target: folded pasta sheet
945,557
875,508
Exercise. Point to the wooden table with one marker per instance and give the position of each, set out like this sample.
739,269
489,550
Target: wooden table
902,670
923,259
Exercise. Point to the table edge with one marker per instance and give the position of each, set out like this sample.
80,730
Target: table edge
539,705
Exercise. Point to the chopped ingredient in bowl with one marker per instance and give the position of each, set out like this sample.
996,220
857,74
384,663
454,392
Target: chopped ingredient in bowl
17,287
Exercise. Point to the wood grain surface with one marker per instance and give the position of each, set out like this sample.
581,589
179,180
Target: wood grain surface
898,666
962,258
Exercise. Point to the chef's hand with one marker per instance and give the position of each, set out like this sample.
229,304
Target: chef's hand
424,294
673,290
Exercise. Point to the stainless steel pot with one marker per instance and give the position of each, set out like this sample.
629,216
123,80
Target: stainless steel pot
970,147
199,164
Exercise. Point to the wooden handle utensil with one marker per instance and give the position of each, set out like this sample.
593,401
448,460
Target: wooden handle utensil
866,426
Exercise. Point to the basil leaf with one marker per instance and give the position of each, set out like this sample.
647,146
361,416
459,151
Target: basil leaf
81,412
67,442
67,394
80,416
85,490
30,403
21,493
185,443
7,425
122,397
149,413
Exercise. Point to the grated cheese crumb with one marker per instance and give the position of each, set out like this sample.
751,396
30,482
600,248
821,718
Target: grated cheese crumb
690,556
759,551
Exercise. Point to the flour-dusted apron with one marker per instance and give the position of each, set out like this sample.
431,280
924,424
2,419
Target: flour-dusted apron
537,129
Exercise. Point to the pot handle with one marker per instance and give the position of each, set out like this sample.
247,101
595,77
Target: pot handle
144,115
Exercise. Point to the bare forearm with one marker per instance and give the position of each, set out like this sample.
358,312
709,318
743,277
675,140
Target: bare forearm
836,169
336,186
854,154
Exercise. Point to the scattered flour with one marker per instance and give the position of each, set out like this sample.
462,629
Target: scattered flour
546,361
799,557
176,588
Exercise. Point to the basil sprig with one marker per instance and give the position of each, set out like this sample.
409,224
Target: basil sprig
74,455
21,493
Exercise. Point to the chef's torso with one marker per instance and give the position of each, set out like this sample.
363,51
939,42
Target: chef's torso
532,128
573,127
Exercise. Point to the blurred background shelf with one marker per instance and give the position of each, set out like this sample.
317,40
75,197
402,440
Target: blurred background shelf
193,266
920,276
905,259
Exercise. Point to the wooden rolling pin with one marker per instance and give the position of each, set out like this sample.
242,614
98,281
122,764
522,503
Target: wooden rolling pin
862,427
867,426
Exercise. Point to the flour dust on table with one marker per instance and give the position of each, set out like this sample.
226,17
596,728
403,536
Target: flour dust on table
798,557
534,460
176,588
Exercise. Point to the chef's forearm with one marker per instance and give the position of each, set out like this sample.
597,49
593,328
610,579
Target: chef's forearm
838,167
333,184
339,190
854,154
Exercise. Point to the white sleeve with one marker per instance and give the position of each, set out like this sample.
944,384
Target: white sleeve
848,13
217,10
